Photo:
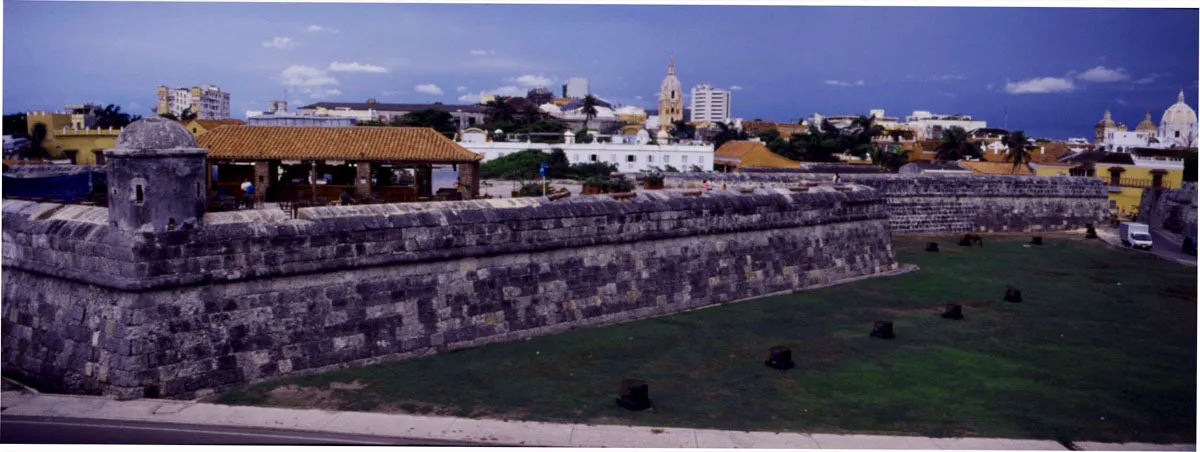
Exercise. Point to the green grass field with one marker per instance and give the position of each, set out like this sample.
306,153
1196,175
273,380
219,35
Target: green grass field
1103,348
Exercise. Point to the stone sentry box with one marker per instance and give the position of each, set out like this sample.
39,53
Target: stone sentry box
156,178
141,311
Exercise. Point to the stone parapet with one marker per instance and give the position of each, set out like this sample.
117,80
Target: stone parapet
922,204
89,308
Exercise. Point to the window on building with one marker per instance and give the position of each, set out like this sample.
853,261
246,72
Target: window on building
666,159
1112,204
650,158
1176,134
701,160
138,194
684,159
593,158
612,158
631,158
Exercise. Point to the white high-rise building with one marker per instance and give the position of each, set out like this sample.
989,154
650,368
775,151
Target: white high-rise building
709,104
206,101
575,88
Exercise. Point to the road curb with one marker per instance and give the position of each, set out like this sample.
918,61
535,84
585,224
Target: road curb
493,432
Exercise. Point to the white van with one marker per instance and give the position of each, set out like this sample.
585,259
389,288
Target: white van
1136,235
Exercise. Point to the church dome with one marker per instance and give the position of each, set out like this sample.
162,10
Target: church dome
1146,125
1179,114
1105,123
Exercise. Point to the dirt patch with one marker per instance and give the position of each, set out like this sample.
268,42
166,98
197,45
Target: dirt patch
927,309
354,385
303,397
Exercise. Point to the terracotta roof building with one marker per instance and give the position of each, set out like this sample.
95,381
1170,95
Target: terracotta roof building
750,154
365,160
996,168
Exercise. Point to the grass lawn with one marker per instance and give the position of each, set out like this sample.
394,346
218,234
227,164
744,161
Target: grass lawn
1103,348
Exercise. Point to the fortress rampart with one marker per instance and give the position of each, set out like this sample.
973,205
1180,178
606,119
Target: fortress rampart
94,308
932,204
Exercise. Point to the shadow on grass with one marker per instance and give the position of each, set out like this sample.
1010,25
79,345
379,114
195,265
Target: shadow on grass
1103,348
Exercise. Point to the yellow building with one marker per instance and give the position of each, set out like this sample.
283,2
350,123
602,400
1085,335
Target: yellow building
1127,175
198,126
81,146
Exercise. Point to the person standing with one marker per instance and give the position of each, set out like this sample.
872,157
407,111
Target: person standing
248,189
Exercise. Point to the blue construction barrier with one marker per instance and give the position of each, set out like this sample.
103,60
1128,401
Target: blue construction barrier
64,187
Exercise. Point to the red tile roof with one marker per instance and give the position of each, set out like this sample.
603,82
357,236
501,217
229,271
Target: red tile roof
393,144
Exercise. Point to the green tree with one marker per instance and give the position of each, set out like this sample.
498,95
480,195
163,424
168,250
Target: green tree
582,136
584,171
112,116
889,158
499,111
1018,149
682,130
37,145
523,165
670,169
557,165
16,125
725,133
551,126
438,120
588,109
371,123
957,145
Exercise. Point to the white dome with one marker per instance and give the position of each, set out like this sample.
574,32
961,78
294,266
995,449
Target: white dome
1179,114
670,83
550,109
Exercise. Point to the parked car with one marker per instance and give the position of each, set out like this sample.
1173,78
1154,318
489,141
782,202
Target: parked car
1136,235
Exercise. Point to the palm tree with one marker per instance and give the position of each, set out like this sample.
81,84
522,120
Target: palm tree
1018,149
956,145
588,109
37,137
112,116
498,110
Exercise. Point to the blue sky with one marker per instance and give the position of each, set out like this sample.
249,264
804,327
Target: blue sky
1055,70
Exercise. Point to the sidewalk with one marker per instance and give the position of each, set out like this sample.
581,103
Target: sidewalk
496,432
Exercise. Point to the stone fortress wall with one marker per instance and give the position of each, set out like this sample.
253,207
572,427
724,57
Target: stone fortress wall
1170,211
93,307
934,204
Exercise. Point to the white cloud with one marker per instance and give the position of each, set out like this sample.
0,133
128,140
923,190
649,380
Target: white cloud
428,88
938,78
306,76
279,42
836,83
990,86
858,83
637,97
460,88
320,29
482,52
1122,101
509,91
310,80
1101,74
735,88
1149,78
533,81
1040,85
356,67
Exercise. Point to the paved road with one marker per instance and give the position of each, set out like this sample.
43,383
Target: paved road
1168,248
41,430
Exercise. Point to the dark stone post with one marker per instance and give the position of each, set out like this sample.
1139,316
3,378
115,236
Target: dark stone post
780,358
634,395
953,312
362,179
883,330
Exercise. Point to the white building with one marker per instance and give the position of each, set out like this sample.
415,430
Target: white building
710,104
929,126
630,154
206,101
1178,127
576,87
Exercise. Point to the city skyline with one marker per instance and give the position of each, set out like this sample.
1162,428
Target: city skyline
1055,71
